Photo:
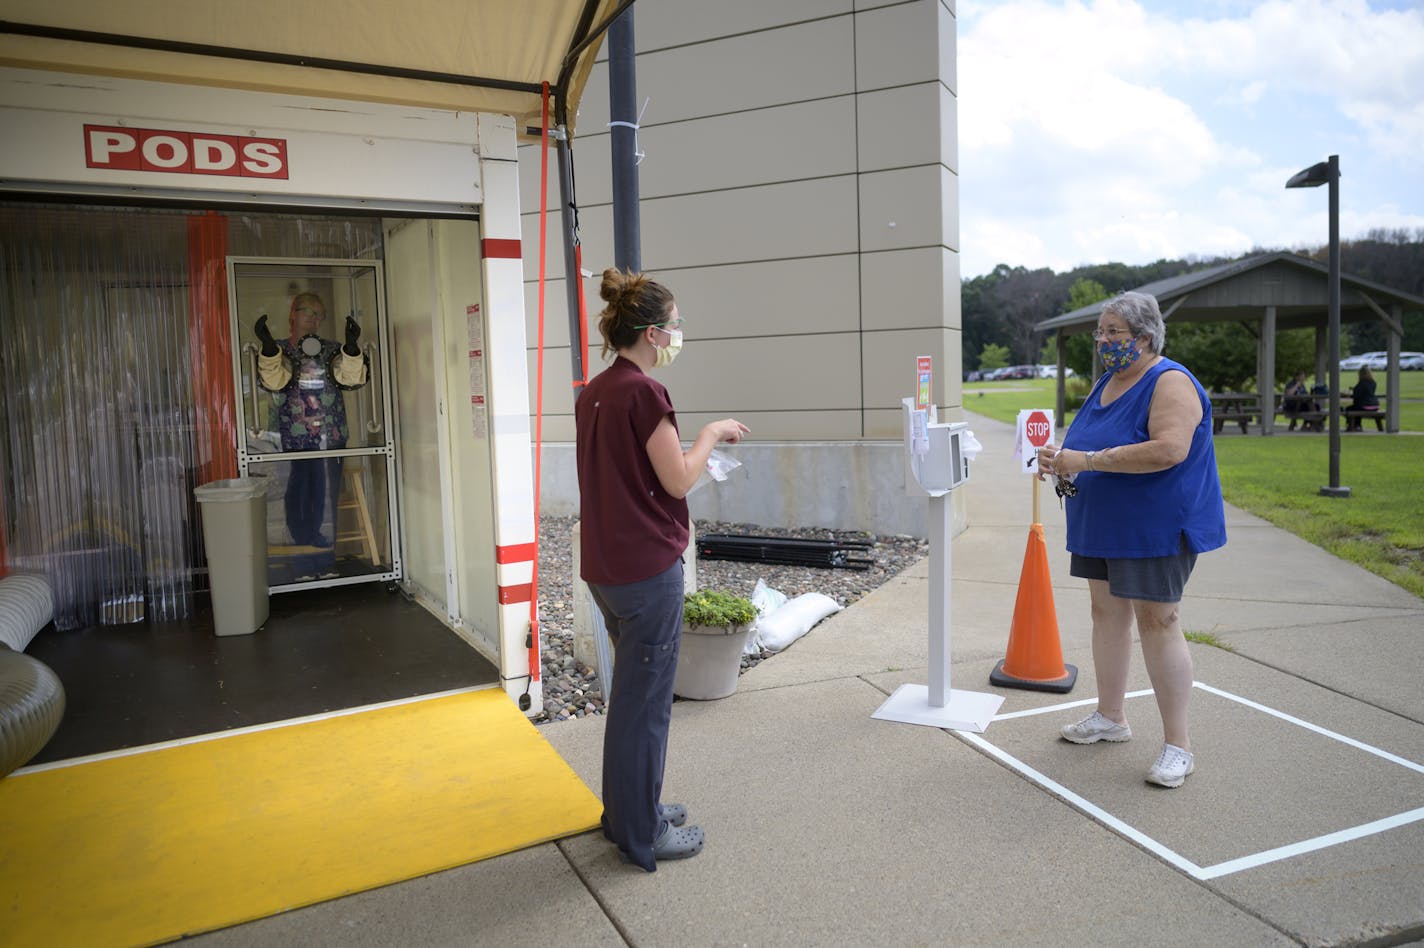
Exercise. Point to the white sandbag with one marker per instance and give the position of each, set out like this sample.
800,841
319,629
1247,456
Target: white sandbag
25,608
777,630
766,600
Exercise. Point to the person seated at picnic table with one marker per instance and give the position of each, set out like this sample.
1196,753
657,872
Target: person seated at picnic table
1296,399
1362,397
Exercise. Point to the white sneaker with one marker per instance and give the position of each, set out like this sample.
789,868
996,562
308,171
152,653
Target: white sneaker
1172,766
1096,727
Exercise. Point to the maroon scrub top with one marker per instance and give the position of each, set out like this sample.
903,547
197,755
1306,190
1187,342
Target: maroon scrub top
630,528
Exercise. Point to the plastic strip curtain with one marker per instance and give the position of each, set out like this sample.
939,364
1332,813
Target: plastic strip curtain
116,393
93,451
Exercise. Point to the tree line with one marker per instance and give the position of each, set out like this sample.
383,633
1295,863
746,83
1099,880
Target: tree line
1000,309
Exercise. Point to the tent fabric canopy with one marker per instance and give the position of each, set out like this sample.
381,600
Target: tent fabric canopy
470,55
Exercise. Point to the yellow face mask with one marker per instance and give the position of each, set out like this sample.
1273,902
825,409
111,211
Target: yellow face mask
667,353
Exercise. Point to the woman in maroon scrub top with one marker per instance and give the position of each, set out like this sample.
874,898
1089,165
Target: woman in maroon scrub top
633,482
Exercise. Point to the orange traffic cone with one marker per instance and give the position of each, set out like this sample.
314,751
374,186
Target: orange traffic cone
1035,658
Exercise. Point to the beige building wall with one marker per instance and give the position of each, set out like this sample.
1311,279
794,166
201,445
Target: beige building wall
800,198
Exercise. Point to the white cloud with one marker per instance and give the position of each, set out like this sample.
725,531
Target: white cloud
1370,64
1096,130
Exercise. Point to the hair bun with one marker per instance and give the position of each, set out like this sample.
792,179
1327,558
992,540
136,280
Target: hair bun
619,285
614,285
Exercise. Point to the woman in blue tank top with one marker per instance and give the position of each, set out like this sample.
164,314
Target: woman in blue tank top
1144,500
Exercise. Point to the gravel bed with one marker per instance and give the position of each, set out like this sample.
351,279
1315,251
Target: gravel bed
571,689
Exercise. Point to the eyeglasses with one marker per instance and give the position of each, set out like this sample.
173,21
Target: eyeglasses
1100,334
1063,487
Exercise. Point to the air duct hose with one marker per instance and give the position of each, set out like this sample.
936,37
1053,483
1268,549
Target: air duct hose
31,695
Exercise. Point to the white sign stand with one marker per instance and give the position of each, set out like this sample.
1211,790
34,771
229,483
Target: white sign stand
933,472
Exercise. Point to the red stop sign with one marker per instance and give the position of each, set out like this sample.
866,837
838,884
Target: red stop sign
1038,428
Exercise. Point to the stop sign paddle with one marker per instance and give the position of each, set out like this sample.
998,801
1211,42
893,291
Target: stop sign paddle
1038,429
1035,429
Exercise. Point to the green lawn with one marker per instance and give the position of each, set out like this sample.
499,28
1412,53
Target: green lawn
1380,525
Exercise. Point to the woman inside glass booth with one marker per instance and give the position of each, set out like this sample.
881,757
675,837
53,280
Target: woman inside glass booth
307,375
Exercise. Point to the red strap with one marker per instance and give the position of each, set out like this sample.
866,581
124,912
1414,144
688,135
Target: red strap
583,317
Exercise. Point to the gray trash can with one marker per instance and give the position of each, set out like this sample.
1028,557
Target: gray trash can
235,534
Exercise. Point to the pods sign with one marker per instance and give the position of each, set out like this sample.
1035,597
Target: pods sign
178,152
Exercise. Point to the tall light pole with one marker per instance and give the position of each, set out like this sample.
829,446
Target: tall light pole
1328,172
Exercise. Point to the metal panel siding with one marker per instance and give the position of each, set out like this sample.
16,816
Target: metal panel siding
812,373
793,219
909,207
754,198
759,146
912,289
909,125
796,63
905,44
890,364
671,24
767,298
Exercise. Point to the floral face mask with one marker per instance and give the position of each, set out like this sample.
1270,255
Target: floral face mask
1119,355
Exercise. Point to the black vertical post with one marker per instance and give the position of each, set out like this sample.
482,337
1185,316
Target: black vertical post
1333,352
572,274
623,115
1060,398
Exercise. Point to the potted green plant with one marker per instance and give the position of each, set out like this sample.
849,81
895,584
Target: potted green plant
714,632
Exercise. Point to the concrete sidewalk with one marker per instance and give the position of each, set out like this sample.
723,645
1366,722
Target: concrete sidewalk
1303,824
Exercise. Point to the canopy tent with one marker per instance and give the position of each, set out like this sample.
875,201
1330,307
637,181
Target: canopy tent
1267,293
464,55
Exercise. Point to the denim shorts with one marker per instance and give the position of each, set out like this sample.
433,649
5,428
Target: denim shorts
1153,578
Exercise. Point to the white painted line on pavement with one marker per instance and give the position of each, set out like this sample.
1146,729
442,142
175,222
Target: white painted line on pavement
1418,768
1059,707
1092,809
1310,845
1172,856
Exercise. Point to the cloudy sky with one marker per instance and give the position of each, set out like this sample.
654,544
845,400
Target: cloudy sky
1132,130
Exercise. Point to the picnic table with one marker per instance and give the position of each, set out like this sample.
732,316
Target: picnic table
1239,407
1314,420
1245,408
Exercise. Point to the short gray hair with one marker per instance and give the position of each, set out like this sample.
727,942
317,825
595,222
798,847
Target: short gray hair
1140,312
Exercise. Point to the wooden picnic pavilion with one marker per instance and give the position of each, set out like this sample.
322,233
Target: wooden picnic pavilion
1266,293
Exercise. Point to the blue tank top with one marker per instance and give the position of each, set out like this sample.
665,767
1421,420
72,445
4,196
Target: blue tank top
1132,516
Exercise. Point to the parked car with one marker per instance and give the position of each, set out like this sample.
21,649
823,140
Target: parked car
1356,362
1051,371
1411,360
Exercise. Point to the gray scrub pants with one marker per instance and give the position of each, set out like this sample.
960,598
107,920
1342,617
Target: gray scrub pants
644,621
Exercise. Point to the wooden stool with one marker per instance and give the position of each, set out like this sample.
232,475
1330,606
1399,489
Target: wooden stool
353,497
